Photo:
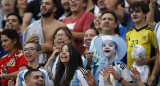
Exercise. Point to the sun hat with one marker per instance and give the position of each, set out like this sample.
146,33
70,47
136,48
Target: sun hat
120,43
138,50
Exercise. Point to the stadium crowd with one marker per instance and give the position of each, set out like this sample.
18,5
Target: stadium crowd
79,42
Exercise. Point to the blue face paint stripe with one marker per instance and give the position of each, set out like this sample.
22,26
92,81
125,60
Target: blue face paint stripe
44,77
20,78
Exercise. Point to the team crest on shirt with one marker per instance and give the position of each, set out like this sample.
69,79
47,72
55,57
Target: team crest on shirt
144,37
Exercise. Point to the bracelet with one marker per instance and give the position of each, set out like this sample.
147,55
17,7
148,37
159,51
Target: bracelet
151,5
120,80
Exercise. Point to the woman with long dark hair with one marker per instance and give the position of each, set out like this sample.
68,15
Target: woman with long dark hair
14,60
70,71
61,36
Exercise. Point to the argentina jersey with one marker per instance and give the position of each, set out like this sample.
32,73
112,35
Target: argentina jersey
121,69
78,79
46,76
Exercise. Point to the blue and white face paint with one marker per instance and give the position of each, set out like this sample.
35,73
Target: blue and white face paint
109,48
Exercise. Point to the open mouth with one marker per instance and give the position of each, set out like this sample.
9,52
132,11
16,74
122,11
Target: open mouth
43,9
135,17
107,51
61,42
63,56
88,41
28,56
73,5
7,5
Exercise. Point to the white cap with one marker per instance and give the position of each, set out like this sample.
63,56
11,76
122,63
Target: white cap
138,51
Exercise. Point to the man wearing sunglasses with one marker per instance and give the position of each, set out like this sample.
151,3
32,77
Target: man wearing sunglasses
32,51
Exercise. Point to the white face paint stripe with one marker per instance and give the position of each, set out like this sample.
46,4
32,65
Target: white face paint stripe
108,38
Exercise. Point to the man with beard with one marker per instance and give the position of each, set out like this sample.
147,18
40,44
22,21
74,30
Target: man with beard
41,31
66,8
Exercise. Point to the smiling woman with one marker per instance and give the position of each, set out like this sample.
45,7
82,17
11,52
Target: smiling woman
70,71
20,7
14,60
61,36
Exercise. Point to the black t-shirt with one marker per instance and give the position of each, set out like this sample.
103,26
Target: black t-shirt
34,8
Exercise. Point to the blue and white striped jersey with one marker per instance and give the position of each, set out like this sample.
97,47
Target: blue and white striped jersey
47,76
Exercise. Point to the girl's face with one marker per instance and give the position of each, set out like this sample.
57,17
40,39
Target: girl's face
89,35
97,21
64,55
22,4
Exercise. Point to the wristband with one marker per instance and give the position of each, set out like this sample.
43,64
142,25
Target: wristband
120,80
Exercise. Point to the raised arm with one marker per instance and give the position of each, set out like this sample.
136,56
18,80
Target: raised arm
113,6
155,71
26,21
150,15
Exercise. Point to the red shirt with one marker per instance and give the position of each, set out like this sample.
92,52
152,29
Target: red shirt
80,24
20,61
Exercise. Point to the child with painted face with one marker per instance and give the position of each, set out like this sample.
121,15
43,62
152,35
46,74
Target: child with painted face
109,49
137,53
112,49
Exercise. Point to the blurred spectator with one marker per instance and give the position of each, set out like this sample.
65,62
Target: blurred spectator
92,7
87,56
33,10
20,7
70,71
34,78
155,76
153,9
2,51
41,30
97,22
78,22
14,61
101,5
32,51
66,8
125,18
0,14
14,21
7,7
